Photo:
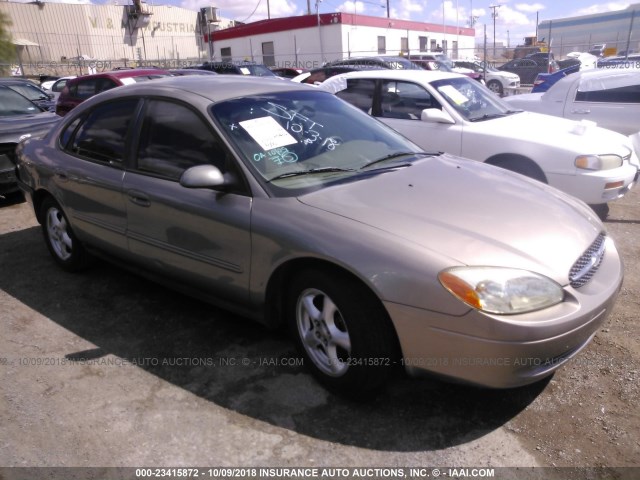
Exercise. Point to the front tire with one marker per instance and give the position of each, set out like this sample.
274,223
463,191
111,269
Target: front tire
62,243
602,210
343,331
496,87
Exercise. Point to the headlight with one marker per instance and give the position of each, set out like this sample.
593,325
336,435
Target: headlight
598,162
501,290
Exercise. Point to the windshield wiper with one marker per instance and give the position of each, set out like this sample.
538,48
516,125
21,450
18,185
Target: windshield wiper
309,172
391,156
487,116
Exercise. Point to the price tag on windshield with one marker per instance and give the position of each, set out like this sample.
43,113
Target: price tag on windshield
267,133
454,95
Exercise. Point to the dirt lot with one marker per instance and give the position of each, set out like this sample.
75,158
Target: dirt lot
107,369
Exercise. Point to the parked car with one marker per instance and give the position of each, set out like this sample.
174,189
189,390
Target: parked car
79,89
448,112
286,72
19,117
574,62
380,61
442,63
496,80
47,81
28,89
241,68
544,81
286,204
319,75
190,71
611,98
598,49
55,87
541,57
528,69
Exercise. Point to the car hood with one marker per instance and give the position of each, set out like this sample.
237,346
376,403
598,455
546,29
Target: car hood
582,137
37,124
470,213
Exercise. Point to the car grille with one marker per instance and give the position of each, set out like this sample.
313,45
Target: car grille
587,265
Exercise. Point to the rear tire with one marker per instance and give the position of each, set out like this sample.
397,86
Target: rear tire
62,243
343,332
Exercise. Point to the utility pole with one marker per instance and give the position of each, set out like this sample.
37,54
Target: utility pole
494,14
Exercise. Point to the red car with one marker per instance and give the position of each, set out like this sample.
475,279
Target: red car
77,90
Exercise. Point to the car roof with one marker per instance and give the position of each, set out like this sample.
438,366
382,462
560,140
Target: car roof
12,80
595,79
415,75
215,88
125,73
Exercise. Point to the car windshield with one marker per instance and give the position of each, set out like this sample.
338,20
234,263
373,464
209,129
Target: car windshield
143,78
306,139
256,70
446,61
12,103
471,99
436,65
30,91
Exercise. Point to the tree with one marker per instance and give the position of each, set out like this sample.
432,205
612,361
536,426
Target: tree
7,48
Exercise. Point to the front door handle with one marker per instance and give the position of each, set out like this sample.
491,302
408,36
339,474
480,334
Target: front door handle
138,198
61,174
581,112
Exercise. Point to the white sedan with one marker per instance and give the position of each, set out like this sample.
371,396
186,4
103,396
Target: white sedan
609,97
498,81
56,86
452,113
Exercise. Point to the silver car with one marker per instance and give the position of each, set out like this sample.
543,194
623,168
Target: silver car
288,205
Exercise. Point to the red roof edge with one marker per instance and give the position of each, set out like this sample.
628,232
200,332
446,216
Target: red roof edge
275,25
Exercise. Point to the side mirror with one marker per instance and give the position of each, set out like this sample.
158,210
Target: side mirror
435,115
203,176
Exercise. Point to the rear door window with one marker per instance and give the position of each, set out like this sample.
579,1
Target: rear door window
102,134
359,92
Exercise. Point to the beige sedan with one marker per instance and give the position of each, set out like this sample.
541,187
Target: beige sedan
286,204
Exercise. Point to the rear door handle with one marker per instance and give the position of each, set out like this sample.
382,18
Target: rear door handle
138,198
581,112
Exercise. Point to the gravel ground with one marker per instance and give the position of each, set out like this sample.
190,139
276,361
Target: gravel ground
92,377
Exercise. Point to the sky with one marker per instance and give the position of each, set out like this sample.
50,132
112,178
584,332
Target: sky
515,18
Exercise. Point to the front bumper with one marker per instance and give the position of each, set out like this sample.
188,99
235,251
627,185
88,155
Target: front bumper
507,351
597,186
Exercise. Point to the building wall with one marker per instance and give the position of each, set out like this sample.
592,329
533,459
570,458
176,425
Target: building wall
312,46
70,37
581,33
64,32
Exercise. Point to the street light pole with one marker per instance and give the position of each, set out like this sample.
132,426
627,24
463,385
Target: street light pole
494,14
